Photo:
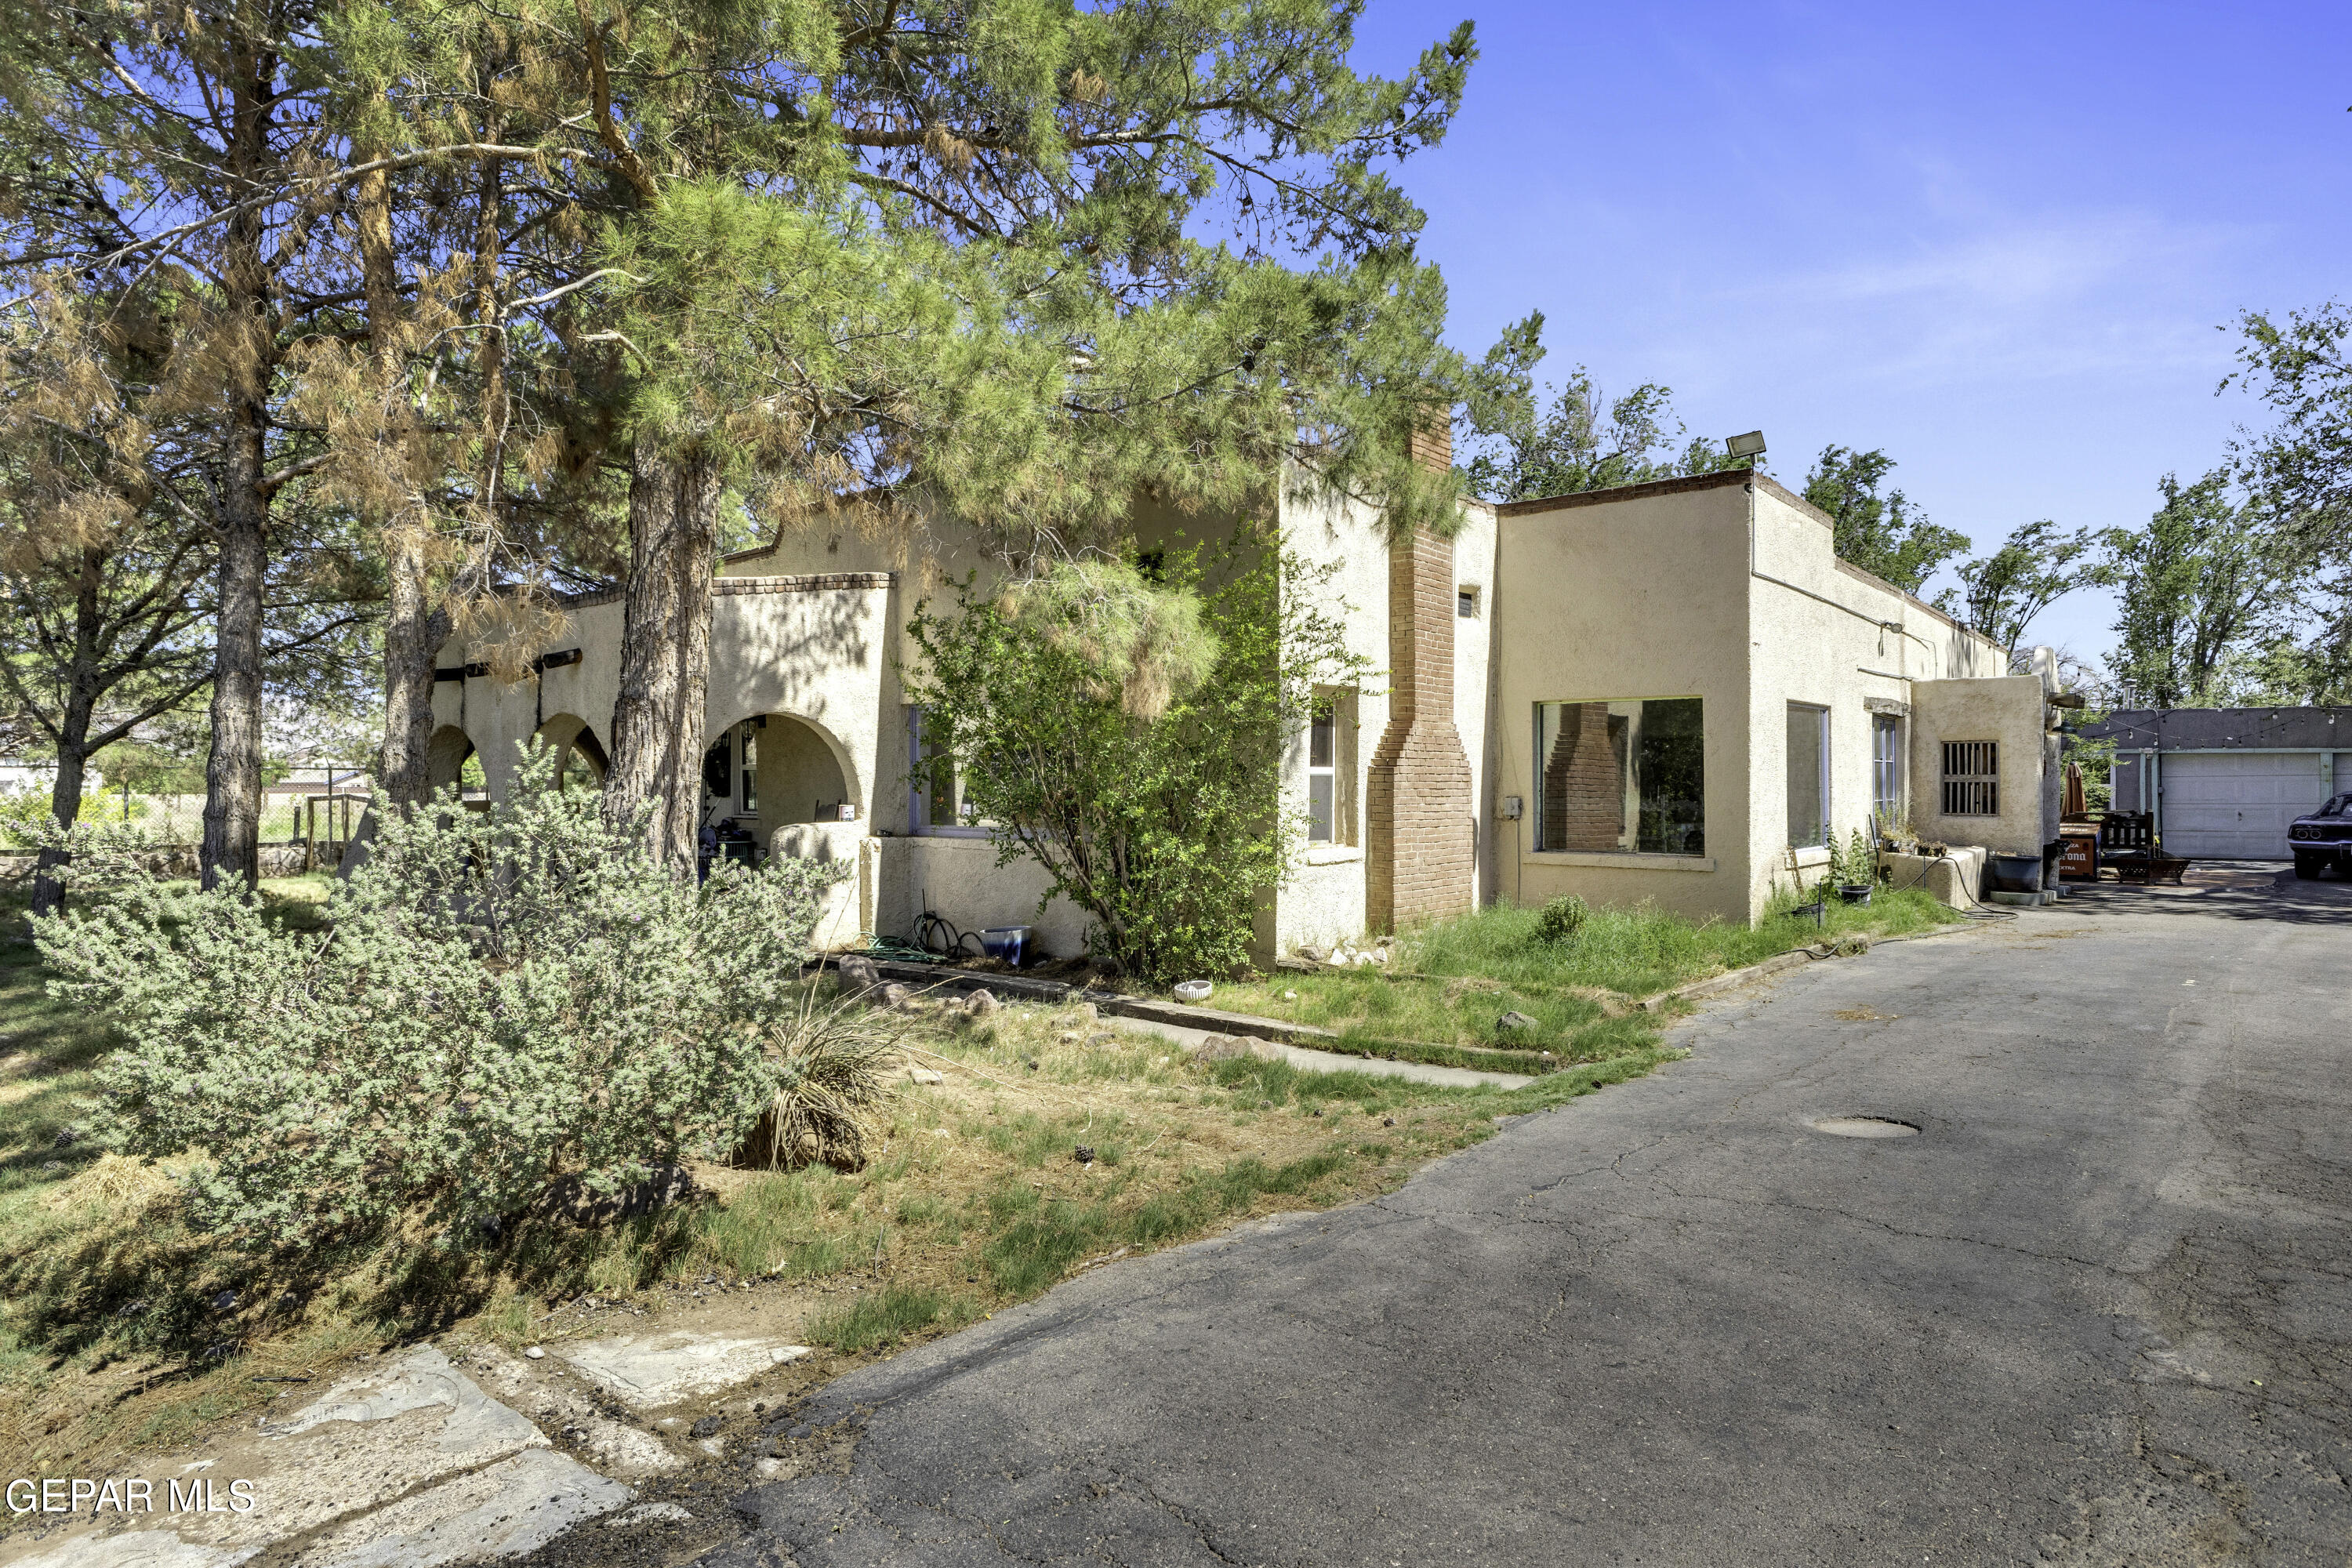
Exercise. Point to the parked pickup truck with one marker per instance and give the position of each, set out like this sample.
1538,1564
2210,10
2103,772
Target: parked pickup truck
2323,839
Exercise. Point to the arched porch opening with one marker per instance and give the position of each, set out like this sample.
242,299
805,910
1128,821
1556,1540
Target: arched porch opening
445,756
581,763
772,769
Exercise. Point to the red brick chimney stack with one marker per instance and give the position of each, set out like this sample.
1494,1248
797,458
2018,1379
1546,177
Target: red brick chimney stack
1418,850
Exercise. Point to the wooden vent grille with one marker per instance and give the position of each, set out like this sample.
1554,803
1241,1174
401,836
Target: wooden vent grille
1971,774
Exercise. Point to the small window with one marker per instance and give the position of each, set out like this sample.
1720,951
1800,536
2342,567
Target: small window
1465,603
1886,768
1626,776
1809,776
1972,778
1322,782
751,796
1331,767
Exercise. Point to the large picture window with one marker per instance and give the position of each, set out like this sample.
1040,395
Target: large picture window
1622,775
1809,776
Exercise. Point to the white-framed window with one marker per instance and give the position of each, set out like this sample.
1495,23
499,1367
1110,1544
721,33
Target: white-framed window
1886,770
935,803
749,759
1972,778
1809,776
1331,767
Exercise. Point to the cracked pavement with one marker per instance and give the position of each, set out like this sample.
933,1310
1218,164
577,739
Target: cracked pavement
2097,1312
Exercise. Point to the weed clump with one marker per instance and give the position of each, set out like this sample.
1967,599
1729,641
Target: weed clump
1560,921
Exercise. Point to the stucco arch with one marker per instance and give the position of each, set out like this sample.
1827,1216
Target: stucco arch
572,738
853,788
800,765
445,754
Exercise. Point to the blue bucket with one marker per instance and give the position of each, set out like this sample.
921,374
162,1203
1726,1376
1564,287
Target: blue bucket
1004,943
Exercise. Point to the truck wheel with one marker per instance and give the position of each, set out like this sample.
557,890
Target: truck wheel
2306,866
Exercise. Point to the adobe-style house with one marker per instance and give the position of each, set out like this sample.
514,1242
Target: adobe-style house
1671,691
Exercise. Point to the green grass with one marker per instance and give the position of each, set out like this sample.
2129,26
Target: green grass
1450,983
879,1319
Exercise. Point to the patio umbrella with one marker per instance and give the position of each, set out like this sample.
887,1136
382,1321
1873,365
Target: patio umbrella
2076,802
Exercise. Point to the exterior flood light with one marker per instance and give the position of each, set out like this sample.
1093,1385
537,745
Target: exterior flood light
1749,445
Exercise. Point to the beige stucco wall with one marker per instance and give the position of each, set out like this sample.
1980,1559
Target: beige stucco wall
959,879
2008,709
1729,591
1636,597
1825,632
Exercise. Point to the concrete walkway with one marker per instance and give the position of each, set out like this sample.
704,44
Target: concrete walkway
1307,1060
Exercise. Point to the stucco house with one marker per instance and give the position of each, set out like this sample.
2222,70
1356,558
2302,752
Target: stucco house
1670,692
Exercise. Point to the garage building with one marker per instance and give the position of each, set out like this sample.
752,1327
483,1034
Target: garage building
2224,782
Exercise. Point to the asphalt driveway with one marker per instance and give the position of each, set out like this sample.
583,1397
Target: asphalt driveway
2097,1311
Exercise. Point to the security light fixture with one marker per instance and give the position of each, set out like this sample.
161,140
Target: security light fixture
1749,445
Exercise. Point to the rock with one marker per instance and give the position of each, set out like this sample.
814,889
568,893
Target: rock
535,1353
1225,1048
647,1372
896,995
1314,954
614,1448
925,1075
650,1513
857,974
705,1426
569,1198
983,1001
1290,995
1084,1154
1512,1021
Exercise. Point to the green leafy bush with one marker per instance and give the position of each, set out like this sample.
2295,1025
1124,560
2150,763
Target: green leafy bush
1126,730
1561,919
493,999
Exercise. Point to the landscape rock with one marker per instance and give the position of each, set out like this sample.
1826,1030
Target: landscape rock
983,1001
1512,1021
650,1513
647,1372
925,1075
857,974
1224,1048
896,995
1314,954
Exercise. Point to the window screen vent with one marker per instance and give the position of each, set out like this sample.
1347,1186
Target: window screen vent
1971,774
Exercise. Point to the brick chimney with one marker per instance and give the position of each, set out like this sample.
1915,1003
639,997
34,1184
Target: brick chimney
1418,850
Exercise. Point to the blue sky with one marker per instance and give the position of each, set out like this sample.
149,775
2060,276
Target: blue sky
1995,240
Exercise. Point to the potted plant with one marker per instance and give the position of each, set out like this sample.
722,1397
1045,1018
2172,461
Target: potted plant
1855,868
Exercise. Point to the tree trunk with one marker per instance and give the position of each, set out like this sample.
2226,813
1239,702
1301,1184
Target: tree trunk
232,843
658,719
413,631
73,731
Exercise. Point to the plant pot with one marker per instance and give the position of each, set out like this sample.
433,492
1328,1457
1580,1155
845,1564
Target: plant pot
1854,892
1193,992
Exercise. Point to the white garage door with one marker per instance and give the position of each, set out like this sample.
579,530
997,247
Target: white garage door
2236,806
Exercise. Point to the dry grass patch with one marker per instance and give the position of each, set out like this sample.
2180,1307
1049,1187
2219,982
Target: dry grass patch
126,1333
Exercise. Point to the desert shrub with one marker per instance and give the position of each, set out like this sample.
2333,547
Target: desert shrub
1561,919
829,1065
494,998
